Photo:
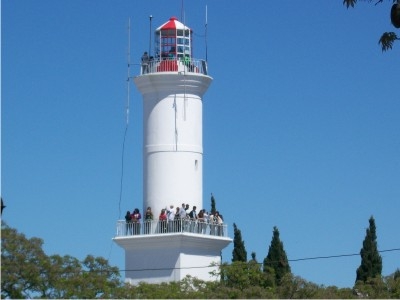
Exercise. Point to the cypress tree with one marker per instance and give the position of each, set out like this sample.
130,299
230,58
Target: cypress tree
371,261
239,252
396,274
276,258
213,210
253,257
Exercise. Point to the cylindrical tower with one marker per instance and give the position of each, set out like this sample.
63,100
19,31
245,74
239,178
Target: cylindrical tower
172,87
172,84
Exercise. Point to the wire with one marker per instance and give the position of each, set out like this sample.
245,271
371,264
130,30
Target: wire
216,265
127,116
122,173
292,260
340,255
126,128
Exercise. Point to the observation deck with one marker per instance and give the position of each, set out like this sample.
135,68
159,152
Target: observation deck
177,65
156,227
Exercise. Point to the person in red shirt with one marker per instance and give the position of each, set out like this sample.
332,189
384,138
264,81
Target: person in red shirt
135,217
163,221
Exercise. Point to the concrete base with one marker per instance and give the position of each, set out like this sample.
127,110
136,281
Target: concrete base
171,256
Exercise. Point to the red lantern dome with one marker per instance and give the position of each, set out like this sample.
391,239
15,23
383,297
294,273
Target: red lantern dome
173,40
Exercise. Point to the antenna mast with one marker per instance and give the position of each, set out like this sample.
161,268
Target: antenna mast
182,10
150,17
206,35
129,71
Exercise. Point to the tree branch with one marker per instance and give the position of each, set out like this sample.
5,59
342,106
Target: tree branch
387,39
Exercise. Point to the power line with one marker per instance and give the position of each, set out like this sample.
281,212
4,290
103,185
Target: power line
128,80
340,255
292,260
126,126
122,172
113,269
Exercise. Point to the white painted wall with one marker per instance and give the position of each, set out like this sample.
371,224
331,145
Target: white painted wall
170,257
172,174
173,139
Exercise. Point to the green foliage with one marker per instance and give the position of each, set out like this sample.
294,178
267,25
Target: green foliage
213,209
256,276
351,3
379,287
2,206
23,264
64,276
253,256
277,258
234,275
388,38
27,272
371,261
393,284
241,275
244,280
296,287
332,292
372,288
239,252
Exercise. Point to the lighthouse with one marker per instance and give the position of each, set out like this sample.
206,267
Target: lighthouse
172,83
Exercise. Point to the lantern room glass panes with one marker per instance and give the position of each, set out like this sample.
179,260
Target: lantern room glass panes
183,42
172,44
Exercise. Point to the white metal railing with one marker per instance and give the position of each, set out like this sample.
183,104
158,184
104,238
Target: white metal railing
198,66
176,226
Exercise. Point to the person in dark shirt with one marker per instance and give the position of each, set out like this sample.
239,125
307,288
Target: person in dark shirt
148,219
145,63
128,223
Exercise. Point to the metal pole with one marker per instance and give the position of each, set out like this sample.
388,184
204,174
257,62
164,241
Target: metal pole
206,36
150,36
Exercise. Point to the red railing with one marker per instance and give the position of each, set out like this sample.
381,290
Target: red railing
174,65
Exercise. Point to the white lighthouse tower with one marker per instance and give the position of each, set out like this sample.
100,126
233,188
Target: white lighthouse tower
172,84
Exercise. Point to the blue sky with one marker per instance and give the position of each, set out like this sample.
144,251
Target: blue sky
301,124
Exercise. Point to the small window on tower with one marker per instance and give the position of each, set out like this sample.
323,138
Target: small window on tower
195,164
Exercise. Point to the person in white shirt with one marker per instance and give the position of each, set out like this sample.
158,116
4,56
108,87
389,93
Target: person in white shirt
193,218
183,216
182,211
171,218
206,220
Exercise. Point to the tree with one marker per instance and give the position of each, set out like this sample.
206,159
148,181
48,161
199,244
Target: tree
393,282
276,258
23,263
256,276
295,287
239,252
396,274
253,257
2,205
374,288
27,272
388,38
371,261
213,209
63,276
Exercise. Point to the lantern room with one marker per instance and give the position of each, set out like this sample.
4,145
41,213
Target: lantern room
173,40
